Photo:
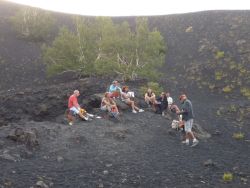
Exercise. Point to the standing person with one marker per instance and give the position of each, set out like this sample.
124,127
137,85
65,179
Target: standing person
188,118
74,106
114,89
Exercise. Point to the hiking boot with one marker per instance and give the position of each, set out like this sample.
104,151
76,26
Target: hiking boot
195,143
141,110
185,142
133,111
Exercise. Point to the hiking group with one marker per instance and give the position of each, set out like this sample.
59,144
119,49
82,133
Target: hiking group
161,105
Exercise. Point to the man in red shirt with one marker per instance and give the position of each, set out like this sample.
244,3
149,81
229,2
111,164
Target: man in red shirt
73,104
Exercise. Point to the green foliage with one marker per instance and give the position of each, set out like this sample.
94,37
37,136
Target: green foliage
220,111
232,65
232,108
218,75
245,91
227,89
62,55
227,177
238,136
219,55
33,23
211,86
156,88
98,46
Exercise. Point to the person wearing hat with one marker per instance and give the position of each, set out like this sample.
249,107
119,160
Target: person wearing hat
188,118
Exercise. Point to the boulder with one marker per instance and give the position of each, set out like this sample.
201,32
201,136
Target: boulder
200,132
27,137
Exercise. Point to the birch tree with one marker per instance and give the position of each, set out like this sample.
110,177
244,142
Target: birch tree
33,23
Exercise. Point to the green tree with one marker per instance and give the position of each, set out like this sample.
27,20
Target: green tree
63,54
98,46
33,23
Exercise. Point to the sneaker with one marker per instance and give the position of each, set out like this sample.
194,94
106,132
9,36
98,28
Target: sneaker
90,115
163,114
85,118
195,143
141,110
70,123
185,142
133,111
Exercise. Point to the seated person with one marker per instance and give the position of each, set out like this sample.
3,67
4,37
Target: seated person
74,107
109,104
114,89
170,99
175,110
161,104
126,97
149,97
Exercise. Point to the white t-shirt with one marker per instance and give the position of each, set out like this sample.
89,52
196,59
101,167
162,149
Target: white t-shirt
170,100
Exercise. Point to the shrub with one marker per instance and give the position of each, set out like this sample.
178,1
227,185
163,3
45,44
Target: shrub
245,92
227,177
227,89
238,136
218,75
211,86
219,55
232,108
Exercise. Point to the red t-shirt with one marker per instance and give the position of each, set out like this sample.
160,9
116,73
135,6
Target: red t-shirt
73,101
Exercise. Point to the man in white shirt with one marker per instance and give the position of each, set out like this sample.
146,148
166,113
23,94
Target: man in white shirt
170,100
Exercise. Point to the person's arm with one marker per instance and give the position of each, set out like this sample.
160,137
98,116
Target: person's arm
185,109
153,95
119,89
113,102
107,102
103,103
124,95
110,89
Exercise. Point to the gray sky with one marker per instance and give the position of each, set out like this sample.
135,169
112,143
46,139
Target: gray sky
135,7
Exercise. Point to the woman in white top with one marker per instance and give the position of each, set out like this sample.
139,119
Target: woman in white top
126,97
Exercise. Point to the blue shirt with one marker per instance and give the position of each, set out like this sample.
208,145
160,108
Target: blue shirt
113,88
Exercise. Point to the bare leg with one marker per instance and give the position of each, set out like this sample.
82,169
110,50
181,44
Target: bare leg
81,115
133,105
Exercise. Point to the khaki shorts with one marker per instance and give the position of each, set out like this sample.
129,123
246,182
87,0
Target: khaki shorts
188,125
